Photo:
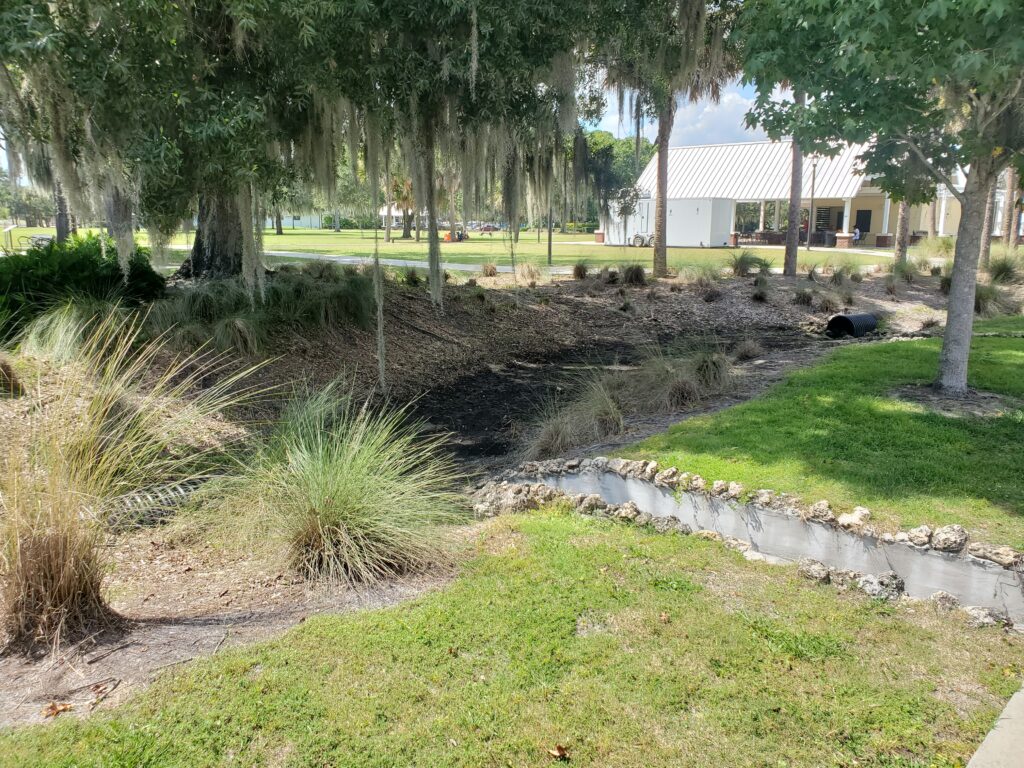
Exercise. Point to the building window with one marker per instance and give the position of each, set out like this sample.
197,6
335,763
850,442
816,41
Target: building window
863,221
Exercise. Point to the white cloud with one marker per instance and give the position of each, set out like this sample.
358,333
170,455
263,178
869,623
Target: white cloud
702,122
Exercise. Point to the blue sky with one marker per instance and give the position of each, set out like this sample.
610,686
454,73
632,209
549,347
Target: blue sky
703,122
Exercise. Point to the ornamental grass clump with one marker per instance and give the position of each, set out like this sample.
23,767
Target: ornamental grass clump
345,492
123,423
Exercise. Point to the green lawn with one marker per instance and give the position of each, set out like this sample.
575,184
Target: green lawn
625,647
481,249
832,432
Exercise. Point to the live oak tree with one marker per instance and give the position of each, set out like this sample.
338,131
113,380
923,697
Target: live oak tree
941,81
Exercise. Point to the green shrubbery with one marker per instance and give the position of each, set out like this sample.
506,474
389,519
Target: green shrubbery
33,282
317,296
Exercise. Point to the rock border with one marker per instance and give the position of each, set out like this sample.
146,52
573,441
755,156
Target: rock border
514,492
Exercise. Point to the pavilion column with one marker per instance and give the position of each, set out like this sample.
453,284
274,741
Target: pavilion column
847,213
942,214
885,215
732,221
778,216
760,223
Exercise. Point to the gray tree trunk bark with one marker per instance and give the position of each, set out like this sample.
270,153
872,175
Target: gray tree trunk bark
217,247
985,253
795,193
666,117
933,216
406,224
119,214
278,222
61,218
956,341
902,232
1009,204
433,241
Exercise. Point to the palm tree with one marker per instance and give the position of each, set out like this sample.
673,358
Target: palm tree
401,192
676,51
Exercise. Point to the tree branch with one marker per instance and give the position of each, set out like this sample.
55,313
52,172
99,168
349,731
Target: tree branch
939,175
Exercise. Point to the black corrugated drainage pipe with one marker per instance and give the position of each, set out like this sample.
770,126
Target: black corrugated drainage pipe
851,325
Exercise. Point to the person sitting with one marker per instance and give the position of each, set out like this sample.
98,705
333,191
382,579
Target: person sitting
856,234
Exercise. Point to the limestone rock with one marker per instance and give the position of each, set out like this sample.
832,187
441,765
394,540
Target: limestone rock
1004,556
591,504
843,579
944,601
855,519
813,570
764,497
949,538
719,487
572,464
920,536
616,466
737,545
886,586
644,518
734,490
649,471
666,524
708,535
668,478
821,510
627,511
984,617
901,536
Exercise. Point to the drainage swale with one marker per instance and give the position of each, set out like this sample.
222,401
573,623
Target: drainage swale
787,538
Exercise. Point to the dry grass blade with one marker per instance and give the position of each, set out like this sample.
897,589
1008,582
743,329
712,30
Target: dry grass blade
125,419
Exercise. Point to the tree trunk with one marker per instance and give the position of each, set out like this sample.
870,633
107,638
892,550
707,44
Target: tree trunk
902,232
387,217
1009,205
550,224
986,227
337,221
416,218
666,117
278,222
62,220
217,247
451,209
956,341
433,241
406,224
1015,229
795,193
933,215
565,194
119,214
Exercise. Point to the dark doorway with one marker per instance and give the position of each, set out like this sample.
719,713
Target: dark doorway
863,221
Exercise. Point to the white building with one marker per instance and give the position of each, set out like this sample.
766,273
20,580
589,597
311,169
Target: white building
706,182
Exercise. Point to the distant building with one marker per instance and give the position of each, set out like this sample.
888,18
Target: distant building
707,182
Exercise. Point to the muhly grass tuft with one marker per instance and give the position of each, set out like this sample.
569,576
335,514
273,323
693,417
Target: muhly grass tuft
123,421
348,494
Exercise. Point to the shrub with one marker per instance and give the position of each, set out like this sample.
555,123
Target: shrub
829,304
848,298
905,271
59,334
803,297
747,349
10,384
712,370
857,276
489,270
991,300
327,271
838,277
891,285
945,283
411,277
744,262
935,270
1004,269
579,270
705,277
711,294
33,282
527,272
222,311
761,286
121,427
634,275
351,493
937,247
609,276
923,264
812,273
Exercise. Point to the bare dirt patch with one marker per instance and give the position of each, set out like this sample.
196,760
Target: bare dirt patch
975,404
181,603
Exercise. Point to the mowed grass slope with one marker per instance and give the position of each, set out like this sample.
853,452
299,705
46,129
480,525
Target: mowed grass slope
483,249
832,431
624,647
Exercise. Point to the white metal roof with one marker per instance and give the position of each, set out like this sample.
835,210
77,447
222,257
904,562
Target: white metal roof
756,170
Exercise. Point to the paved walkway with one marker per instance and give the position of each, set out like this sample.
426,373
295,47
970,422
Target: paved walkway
1004,745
